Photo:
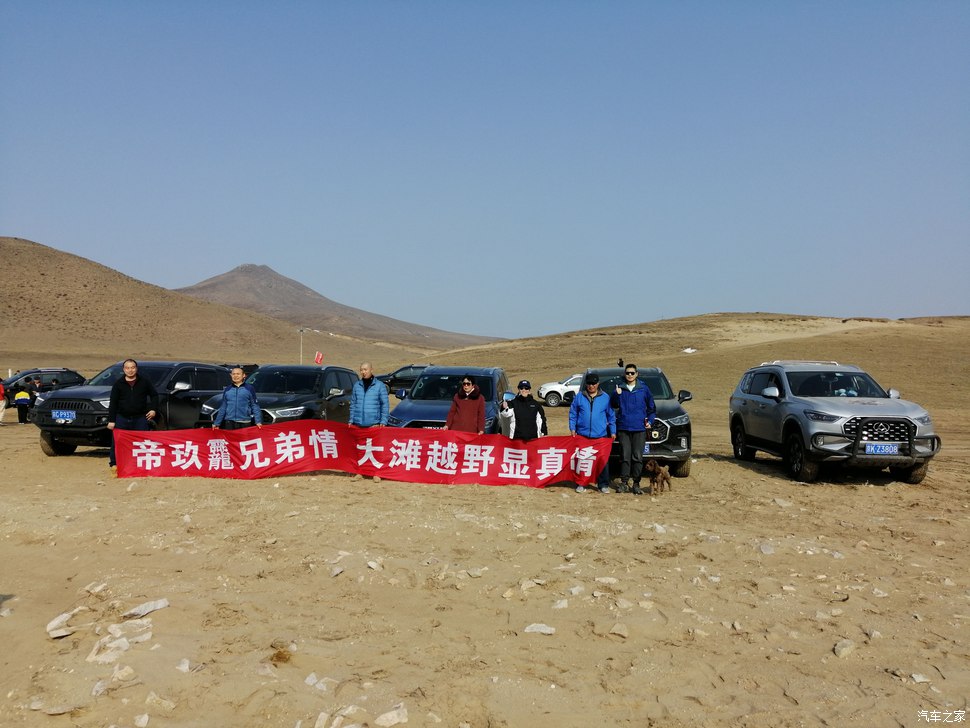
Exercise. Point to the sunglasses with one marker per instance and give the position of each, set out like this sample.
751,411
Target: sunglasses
468,384
630,374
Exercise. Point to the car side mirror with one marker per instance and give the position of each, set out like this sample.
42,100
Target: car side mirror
508,396
771,393
684,396
334,392
894,394
401,393
181,387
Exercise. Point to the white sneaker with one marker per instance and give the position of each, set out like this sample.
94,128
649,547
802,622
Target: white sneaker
580,489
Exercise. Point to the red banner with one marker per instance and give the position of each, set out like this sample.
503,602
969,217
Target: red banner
416,456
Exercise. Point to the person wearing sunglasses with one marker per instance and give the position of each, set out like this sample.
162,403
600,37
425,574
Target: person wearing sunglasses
635,415
467,413
526,416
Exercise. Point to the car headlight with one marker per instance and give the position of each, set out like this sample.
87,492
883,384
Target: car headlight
815,416
288,412
208,409
679,420
104,403
924,420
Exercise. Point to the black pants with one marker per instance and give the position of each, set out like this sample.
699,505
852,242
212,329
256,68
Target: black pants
233,425
22,410
631,445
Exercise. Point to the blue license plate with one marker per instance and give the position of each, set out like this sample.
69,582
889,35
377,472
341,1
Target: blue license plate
882,448
62,416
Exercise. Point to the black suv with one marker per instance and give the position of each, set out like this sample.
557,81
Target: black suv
669,440
47,375
402,377
79,415
291,392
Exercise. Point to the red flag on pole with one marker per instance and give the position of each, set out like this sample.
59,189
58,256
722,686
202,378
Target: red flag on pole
318,358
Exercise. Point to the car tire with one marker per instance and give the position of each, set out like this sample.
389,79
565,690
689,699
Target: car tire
53,447
739,443
797,464
913,474
553,399
680,469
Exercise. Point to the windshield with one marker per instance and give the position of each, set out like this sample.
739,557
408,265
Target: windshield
444,386
834,384
154,374
281,381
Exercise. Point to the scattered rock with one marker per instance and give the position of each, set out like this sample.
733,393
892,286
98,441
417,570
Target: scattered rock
538,628
843,648
393,717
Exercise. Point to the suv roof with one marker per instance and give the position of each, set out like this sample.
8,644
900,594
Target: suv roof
789,364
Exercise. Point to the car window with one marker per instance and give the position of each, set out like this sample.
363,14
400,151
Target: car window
209,380
182,376
330,382
445,386
834,384
760,381
658,385
574,381
346,381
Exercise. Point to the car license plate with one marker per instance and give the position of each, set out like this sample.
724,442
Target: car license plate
646,448
63,416
882,448
433,427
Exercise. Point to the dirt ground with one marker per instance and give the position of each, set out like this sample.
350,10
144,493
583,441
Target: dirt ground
739,599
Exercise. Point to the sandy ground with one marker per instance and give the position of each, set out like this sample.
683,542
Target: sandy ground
740,599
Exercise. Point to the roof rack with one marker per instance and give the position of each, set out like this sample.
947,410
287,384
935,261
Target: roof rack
800,361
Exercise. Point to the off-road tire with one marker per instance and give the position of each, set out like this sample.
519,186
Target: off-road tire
53,447
680,469
738,443
797,464
553,399
913,474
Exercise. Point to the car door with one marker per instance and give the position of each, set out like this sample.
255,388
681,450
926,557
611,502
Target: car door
187,389
763,413
336,406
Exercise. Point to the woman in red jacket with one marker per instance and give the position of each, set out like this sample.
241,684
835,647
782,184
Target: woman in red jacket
467,413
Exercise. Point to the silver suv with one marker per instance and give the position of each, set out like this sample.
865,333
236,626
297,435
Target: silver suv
810,412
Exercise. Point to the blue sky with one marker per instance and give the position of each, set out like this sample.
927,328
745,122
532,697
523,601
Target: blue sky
503,168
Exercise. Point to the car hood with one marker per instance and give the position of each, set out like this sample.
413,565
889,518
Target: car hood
272,401
410,410
864,406
81,391
669,408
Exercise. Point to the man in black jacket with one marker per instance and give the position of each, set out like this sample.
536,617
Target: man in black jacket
528,417
132,405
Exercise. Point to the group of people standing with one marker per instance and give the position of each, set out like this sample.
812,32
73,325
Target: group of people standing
24,396
627,414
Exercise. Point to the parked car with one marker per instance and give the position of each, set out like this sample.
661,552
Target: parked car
427,403
290,392
811,412
78,415
403,377
47,375
669,440
562,392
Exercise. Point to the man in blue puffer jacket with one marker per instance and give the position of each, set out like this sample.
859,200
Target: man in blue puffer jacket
636,415
590,415
239,407
369,406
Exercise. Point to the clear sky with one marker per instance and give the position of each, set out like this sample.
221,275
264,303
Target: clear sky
503,168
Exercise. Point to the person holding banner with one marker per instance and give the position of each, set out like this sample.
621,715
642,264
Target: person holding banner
132,404
467,413
591,416
239,407
369,406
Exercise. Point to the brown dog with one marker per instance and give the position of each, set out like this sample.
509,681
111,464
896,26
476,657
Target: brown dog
659,476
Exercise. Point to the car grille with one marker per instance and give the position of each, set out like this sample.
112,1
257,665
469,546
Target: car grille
78,405
875,430
659,431
427,424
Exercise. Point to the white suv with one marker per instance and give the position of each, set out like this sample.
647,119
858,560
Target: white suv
810,412
557,393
